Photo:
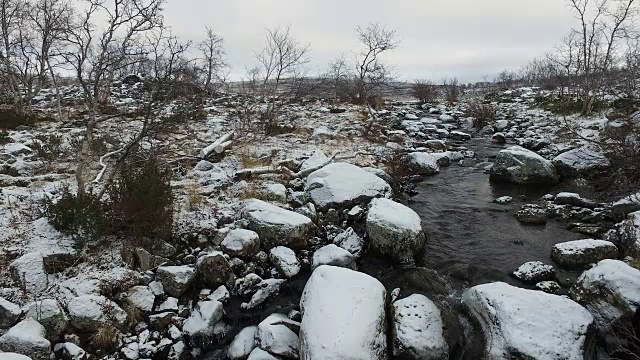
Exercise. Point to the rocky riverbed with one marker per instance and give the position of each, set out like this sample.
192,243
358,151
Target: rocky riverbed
492,250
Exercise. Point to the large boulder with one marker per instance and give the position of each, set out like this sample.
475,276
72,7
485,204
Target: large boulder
241,242
583,252
276,338
27,338
243,344
395,230
48,313
342,185
175,279
627,204
29,272
214,269
417,330
9,313
580,161
344,316
92,312
528,324
609,290
521,166
141,297
277,226
423,163
626,235
200,325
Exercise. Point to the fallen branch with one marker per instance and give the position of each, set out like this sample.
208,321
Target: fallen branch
283,170
104,165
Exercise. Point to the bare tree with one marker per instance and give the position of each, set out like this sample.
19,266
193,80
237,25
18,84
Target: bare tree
425,91
339,75
212,52
371,72
451,88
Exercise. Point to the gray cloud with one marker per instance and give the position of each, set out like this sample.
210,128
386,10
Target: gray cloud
466,38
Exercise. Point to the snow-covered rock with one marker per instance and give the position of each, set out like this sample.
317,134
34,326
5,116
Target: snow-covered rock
532,214
277,226
285,261
259,354
609,290
626,235
243,344
627,204
316,159
265,289
9,313
322,133
241,242
28,271
91,312
423,163
573,199
503,200
48,313
69,351
141,297
350,241
342,185
417,330
200,325
395,230
519,323
583,252
521,166
276,338
333,255
580,161
410,116
344,316
534,271
175,279
27,338
214,269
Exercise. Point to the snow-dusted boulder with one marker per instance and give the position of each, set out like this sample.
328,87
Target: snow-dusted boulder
277,226
285,261
69,351
534,271
241,242
13,356
521,166
9,313
48,313
583,252
259,354
318,158
266,289
417,330
322,133
342,185
243,344
274,192
333,255
573,199
528,324
344,316
141,297
410,116
580,161
91,312
395,230
609,290
627,204
200,325
423,163
350,241
175,279
276,338
626,235
214,269
27,338
28,271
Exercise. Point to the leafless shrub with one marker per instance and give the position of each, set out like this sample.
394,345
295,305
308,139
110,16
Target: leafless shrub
425,91
483,114
452,90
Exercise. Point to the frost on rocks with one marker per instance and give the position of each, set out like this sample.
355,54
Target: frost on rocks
285,261
350,241
342,185
417,330
9,313
583,252
277,226
241,242
333,255
580,161
175,279
424,163
626,235
519,323
318,158
609,290
395,230
521,166
243,344
48,313
91,312
170,304
141,297
28,271
220,294
200,325
344,316
276,338
534,271
27,338
627,204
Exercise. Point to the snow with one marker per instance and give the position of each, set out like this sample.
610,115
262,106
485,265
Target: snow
48,313
243,343
259,354
203,317
528,323
534,271
583,252
90,312
170,304
503,200
26,338
343,185
9,313
333,255
28,270
344,316
266,289
609,290
241,242
277,226
424,163
318,158
141,297
285,261
276,338
350,241
175,279
580,161
417,329
521,166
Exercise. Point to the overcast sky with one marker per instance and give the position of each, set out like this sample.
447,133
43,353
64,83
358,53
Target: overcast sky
465,38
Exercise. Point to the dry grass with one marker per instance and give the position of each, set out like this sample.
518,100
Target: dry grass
105,339
253,191
249,160
134,314
194,197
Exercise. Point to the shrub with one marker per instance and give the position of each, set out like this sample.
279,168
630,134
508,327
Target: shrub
425,91
141,200
4,137
10,119
483,114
